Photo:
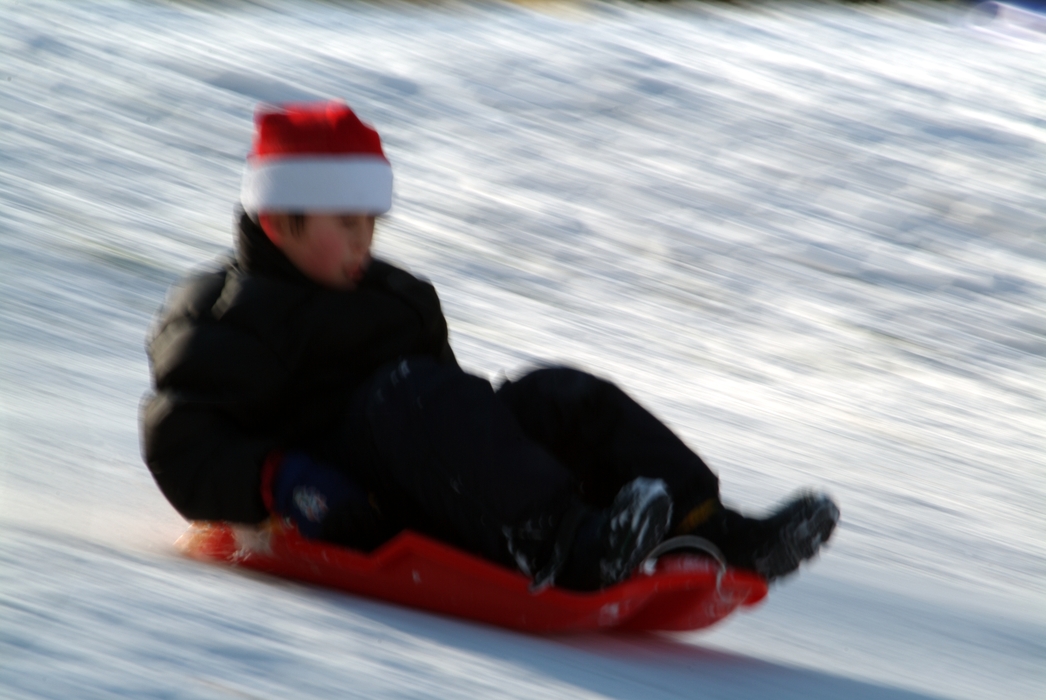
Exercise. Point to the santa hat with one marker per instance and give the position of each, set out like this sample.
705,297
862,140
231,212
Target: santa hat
315,157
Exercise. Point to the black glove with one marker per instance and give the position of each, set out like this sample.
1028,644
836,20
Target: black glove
326,504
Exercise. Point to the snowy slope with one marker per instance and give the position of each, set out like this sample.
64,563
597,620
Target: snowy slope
811,237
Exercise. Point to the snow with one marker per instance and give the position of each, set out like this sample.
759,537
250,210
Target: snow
811,237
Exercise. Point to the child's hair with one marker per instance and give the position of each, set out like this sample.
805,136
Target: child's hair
296,219
297,222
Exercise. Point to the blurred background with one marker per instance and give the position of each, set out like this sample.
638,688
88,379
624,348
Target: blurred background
810,236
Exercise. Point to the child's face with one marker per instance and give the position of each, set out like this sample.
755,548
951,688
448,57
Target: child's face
332,249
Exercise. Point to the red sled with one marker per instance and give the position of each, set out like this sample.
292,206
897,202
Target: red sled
675,592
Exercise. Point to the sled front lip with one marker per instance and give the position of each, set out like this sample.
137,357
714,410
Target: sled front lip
683,593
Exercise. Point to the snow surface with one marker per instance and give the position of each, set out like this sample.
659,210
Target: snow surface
811,237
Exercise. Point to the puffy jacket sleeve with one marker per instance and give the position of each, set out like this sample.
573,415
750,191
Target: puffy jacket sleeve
204,433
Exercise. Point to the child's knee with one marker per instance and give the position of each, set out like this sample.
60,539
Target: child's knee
567,388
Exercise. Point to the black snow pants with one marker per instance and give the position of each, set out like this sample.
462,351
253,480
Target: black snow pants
447,455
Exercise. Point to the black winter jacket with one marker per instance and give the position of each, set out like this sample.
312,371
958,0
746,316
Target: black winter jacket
255,357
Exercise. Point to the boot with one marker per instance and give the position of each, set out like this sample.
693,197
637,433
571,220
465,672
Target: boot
596,549
775,546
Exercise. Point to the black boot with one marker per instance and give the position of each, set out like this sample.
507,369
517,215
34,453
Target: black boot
775,546
596,549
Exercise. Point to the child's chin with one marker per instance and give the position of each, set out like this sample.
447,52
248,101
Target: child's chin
342,281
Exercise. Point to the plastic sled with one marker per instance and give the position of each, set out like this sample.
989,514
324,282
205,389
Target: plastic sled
673,592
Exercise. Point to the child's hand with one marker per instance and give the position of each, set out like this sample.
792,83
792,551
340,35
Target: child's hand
324,503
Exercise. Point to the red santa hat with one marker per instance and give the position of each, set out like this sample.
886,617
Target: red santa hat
318,157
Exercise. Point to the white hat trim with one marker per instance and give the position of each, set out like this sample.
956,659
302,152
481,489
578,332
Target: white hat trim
326,183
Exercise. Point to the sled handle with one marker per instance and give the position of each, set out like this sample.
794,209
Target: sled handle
674,544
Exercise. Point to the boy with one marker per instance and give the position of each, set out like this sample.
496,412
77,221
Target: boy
308,380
